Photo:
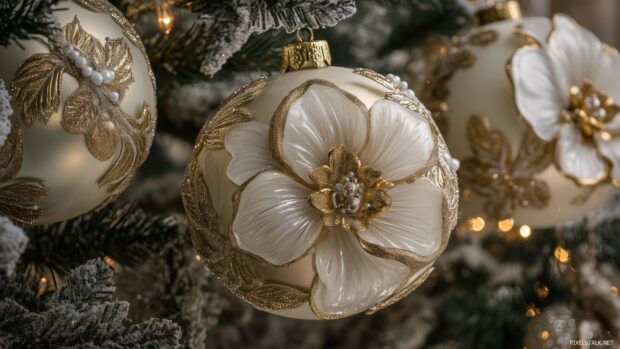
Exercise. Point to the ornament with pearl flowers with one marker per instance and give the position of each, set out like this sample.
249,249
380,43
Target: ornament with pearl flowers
566,88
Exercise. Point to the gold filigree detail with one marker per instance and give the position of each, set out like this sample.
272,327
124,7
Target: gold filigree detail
504,182
229,114
376,77
89,110
591,110
18,196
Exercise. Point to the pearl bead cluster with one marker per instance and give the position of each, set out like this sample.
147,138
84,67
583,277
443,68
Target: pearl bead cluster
402,85
98,78
346,195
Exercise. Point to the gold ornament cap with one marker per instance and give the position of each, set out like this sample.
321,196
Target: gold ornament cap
501,11
306,54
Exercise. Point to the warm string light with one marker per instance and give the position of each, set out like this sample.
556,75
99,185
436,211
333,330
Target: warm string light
506,224
197,258
165,16
477,224
531,311
543,335
542,291
525,231
562,255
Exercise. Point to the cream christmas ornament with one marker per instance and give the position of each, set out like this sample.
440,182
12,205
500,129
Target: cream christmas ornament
84,116
532,120
323,192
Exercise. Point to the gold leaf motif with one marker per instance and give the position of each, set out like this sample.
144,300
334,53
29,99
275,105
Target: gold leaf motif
102,140
118,59
277,297
36,87
18,197
229,114
491,172
18,200
11,154
80,111
84,42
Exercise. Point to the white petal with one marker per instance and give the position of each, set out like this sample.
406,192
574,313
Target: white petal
248,144
538,28
574,52
413,222
578,159
322,118
537,94
611,150
275,220
606,76
350,279
401,142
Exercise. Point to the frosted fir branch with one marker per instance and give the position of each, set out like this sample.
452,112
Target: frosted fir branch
13,242
81,315
23,20
236,21
5,113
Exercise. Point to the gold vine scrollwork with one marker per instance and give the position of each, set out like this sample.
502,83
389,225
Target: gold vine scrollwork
90,110
505,183
221,256
18,196
452,59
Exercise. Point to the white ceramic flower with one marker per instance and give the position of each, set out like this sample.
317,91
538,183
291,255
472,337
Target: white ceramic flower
331,178
565,89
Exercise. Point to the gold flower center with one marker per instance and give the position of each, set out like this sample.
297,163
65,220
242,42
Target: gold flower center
591,110
348,194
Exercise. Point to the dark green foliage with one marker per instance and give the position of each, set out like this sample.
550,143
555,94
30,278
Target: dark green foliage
120,231
25,19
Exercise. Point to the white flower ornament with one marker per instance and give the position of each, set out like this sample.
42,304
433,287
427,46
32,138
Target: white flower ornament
331,178
565,88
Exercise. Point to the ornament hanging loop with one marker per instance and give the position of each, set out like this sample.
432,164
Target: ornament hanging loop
309,34
306,53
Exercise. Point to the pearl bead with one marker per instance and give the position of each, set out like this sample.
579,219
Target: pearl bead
108,75
403,85
390,76
81,62
96,78
73,55
396,79
409,93
114,97
87,71
68,49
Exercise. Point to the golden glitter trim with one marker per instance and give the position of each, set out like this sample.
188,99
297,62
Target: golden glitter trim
505,183
278,124
376,77
229,114
128,29
18,196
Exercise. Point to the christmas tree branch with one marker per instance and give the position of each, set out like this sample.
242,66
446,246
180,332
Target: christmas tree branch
25,19
122,232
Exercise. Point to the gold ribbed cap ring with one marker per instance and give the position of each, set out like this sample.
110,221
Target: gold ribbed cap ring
306,53
509,10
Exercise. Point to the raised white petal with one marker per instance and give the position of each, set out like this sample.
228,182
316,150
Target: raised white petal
350,279
538,28
413,222
322,118
274,220
248,144
605,75
574,52
611,150
579,159
538,95
401,142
